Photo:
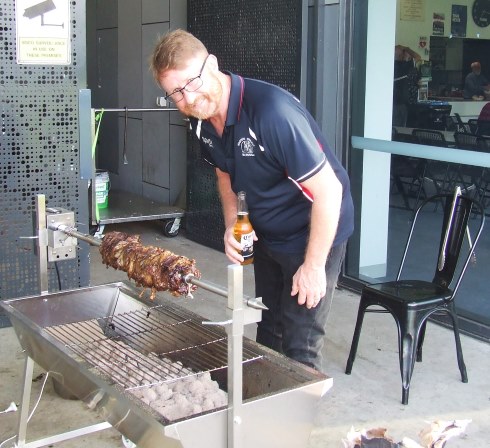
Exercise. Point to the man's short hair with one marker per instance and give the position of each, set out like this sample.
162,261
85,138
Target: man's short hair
475,65
173,51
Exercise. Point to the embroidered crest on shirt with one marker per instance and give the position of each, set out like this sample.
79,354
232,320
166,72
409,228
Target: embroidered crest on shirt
247,146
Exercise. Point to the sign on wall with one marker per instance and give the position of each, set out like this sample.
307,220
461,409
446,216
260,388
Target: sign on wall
412,10
43,32
438,24
458,20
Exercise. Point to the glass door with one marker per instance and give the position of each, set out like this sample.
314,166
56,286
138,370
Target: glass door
400,155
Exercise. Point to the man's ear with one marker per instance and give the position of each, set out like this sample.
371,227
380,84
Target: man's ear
213,62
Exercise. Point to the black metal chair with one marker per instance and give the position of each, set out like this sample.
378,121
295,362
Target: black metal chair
408,174
484,180
436,176
412,302
472,176
468,176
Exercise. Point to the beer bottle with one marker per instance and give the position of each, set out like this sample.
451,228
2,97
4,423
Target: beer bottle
243,230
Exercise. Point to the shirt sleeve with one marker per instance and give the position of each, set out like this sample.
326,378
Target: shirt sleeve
288,136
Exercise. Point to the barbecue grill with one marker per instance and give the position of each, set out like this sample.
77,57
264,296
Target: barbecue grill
109,346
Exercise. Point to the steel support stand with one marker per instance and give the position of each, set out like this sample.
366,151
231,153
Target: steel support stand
24,417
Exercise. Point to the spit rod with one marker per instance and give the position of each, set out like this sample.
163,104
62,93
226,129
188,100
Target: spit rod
251,302
190,279
168,109
75,233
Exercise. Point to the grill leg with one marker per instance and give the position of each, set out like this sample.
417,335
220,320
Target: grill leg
235,356
25,401
24,417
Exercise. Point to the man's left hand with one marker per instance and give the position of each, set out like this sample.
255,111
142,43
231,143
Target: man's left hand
310,284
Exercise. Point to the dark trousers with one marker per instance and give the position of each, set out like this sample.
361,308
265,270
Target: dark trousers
291,329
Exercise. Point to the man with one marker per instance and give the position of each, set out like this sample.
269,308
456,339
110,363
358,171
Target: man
261,140
475,83
405,84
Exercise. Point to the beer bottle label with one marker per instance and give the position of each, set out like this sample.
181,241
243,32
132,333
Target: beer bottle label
247,243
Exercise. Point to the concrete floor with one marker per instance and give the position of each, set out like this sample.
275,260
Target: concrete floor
368,398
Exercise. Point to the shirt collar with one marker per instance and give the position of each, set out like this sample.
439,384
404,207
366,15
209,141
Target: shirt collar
235,104
236,99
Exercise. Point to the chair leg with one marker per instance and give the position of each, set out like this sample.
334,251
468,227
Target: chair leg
355,338
459,349
407,348
407,360
420,342
399,186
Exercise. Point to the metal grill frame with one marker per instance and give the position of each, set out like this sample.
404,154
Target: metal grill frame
271,383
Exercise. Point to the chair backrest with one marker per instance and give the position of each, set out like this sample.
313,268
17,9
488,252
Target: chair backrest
457,211
429,137
451,123
466,141
404,138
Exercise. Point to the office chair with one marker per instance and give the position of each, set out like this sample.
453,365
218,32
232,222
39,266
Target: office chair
465,140
454,123
412,302
430,137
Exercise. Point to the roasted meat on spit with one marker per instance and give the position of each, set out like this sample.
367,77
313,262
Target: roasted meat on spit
150,266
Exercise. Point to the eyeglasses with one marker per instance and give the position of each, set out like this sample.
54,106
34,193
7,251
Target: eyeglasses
192,85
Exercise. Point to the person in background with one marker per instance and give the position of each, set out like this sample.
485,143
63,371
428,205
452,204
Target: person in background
485,113
262,140
405,85
484,120
475,83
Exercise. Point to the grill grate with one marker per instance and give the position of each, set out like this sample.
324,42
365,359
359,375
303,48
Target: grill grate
148,347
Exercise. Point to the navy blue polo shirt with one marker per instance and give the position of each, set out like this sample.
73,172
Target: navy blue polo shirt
270,145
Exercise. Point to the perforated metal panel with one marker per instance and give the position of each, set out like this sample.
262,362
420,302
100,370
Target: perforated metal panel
256,39
39,154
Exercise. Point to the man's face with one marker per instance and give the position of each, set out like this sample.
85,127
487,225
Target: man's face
202,103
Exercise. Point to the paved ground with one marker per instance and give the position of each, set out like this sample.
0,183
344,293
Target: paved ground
368,398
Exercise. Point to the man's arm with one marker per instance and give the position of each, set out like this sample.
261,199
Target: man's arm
309,282
229,204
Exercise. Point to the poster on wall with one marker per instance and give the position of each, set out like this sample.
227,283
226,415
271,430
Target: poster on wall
458,20
43,32
438,24
412,10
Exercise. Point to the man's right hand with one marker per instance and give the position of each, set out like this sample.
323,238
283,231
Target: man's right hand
232,247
